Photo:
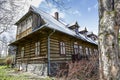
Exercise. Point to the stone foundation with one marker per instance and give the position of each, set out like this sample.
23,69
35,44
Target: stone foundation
39,69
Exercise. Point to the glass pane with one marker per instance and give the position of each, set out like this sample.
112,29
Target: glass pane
63,50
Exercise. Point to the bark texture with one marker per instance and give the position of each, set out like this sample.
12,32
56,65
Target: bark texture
108,39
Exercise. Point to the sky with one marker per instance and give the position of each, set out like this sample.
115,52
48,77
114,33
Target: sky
85,12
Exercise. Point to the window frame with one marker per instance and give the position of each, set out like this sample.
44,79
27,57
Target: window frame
75,47
19,28
22,52
29,19
37,48
86,51
62,48
80,50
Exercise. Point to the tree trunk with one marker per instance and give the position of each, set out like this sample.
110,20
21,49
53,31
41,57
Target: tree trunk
109,66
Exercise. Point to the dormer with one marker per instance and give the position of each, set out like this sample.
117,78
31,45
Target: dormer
84,32
28,23
92,36
74,26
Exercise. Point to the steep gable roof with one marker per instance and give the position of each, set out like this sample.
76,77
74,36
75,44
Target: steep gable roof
52,23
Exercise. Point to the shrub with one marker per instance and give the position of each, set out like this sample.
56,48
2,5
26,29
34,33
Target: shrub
9,61
81,70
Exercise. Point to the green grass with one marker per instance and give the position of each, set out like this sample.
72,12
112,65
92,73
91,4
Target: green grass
6,74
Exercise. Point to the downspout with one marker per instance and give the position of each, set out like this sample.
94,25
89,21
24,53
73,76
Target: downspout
49,71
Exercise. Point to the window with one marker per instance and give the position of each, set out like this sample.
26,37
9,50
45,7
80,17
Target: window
22,52
37,48
29,22
90,51
75,47
62,48
86,49
95,51
19,29
80,50
24,25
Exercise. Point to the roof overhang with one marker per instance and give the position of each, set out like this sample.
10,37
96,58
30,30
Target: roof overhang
23,17
29,35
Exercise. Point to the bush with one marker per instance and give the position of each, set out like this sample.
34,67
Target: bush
81,70
9,61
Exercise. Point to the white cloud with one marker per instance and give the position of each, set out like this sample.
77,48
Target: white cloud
96,5
68,0
89,9
53,10
77,12
36,3
93,7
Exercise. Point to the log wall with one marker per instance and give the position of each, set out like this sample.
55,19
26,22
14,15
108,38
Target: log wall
29,51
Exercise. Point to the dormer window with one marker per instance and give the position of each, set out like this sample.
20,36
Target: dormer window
22,25
19,29
74,26
25,24
29,22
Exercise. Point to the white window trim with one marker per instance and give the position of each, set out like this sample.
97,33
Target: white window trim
62,48
76,49
37,48
22,52
80,50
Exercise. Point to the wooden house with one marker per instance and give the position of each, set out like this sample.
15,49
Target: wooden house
44,44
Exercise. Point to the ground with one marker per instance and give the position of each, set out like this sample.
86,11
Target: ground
13,74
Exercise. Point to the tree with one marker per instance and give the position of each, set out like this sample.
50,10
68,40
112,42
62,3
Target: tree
109,23
9,13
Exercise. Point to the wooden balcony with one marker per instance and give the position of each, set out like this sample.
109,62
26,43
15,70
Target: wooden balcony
24,33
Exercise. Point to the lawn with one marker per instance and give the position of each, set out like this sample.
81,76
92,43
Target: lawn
5,74
11,74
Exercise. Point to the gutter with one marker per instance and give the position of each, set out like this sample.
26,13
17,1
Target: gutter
48,55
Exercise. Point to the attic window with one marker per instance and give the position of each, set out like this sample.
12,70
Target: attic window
29,22
62,48
37,48
19,29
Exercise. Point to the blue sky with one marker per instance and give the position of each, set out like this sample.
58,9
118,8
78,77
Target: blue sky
85,12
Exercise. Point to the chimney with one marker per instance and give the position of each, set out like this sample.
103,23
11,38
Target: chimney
56,15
